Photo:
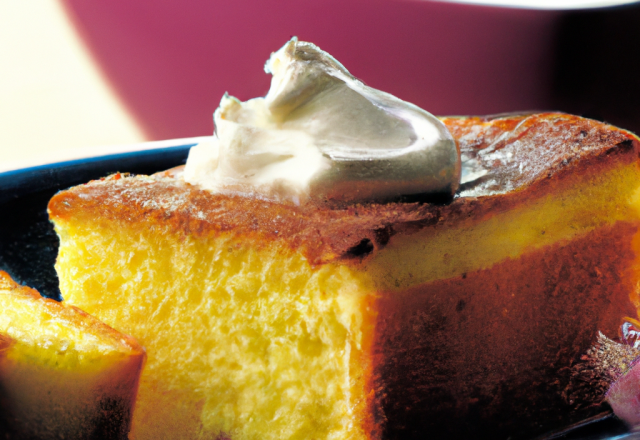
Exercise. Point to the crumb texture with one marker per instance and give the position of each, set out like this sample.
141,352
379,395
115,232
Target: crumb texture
63,373
242,342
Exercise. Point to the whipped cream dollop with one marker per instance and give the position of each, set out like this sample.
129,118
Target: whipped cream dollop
321,134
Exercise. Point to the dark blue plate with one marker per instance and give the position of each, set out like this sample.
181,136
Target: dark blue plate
29,245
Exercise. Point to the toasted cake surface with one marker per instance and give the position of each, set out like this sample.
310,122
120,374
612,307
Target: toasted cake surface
514,156
63,373
546,227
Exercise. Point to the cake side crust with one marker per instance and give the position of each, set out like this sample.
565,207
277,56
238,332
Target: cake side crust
492,351
559,211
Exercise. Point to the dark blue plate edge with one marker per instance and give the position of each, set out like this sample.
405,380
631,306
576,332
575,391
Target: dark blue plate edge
17,183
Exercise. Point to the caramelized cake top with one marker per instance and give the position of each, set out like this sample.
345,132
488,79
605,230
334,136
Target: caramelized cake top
506,162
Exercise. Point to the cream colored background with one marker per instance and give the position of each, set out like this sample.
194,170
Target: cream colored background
53,100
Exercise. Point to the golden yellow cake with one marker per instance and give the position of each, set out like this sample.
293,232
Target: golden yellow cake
469,319
63,373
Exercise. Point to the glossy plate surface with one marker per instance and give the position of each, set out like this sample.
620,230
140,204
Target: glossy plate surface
29,245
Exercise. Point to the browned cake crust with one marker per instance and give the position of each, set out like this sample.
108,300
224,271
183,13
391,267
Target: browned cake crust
515,157
489,352
520,151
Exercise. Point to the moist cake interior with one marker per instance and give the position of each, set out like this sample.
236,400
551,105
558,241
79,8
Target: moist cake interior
63,374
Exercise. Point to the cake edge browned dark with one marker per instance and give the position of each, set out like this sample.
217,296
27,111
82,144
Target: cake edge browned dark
493,353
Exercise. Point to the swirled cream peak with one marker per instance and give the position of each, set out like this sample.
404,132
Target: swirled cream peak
321,134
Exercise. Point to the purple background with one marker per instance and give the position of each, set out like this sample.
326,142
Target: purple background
171,61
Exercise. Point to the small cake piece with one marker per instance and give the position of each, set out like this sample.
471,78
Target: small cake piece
63,373
271,320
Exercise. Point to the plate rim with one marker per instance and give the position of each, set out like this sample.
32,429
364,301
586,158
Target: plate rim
97,152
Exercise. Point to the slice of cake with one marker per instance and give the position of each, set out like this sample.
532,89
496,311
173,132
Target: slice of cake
63,373
470,319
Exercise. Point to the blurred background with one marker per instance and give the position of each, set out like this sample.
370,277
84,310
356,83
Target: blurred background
79,76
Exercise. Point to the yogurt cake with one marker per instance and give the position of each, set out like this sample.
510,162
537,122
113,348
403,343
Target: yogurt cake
285,311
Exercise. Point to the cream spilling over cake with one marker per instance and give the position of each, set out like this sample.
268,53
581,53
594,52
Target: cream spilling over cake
322,134
509,311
